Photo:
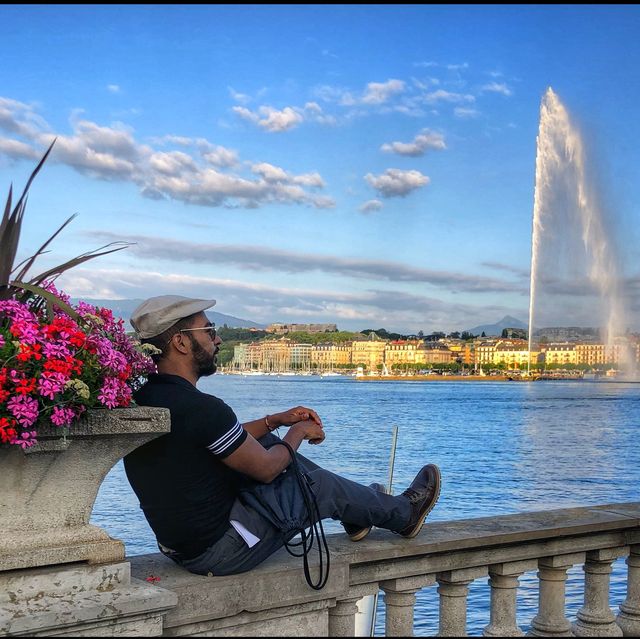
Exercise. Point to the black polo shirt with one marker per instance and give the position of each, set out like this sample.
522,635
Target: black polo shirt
185,490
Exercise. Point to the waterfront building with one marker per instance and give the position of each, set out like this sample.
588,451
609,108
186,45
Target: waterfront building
275,355
514,356
240,360
591,354
484,350
402,352
436,353
254,356
369,352
468,354
300,357
327,355
559,354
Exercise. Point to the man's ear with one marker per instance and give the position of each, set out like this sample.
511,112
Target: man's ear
179,343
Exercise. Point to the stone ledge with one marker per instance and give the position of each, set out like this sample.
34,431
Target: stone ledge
279,581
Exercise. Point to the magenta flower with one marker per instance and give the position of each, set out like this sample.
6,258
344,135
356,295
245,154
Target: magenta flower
24,409
62,416
51,383
26,439
109,392
58,355
55,350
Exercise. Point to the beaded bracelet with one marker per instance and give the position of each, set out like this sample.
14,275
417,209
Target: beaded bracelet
270,428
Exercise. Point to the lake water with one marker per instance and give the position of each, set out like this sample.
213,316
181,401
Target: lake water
502,447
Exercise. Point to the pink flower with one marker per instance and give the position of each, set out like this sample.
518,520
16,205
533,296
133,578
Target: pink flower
62,416
109,393
109,357
57,351
26,439
24,409
51,383
60,351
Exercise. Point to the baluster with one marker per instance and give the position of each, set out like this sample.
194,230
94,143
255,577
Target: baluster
399,600
595,618
503,579
629,617
342,618
453,589
552,573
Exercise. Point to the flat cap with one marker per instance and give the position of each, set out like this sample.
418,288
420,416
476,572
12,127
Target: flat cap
155,315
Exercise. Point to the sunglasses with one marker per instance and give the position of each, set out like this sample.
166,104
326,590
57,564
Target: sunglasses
211,328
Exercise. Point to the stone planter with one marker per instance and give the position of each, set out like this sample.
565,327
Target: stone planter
47,492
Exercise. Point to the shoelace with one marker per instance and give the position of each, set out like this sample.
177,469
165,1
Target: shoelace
412,495
315,530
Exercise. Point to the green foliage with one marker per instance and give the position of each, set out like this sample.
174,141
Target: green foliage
337,337
240,334
383,333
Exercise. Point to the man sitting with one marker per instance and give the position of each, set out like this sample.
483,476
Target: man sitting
195,484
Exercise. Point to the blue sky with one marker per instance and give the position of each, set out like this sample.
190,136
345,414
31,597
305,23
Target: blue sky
365,165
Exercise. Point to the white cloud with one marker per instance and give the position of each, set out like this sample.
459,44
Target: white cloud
370,206
447,96
497,87
465,112
220,156
18,150
271,119
239,97
113,88
172,163
425,140
113,153
379,92
260,258
396,182
264,303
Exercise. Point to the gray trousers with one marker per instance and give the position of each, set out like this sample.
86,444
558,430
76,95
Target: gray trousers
337,498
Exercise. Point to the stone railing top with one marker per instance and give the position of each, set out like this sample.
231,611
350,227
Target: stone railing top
115,421
280,578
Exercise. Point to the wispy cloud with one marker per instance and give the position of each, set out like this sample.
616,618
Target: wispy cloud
268,303
396,182
277,121
440,95
465,113
370,206
425,140
497,87
113,88
259,258
199,177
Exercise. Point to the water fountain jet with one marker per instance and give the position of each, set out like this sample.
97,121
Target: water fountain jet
565,199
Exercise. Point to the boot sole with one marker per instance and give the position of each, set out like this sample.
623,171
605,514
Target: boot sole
418,527
362,533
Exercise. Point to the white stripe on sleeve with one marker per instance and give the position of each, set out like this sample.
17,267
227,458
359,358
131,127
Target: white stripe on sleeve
220,445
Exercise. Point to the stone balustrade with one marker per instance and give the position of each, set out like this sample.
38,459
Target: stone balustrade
274,599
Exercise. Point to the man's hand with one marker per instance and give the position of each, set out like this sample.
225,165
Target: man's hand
294,415
309,430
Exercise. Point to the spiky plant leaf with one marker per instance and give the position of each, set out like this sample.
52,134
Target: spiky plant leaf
50,299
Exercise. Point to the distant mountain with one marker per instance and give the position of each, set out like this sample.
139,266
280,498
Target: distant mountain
496,329
124,308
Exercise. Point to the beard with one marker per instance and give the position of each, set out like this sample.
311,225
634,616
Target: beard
205,364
